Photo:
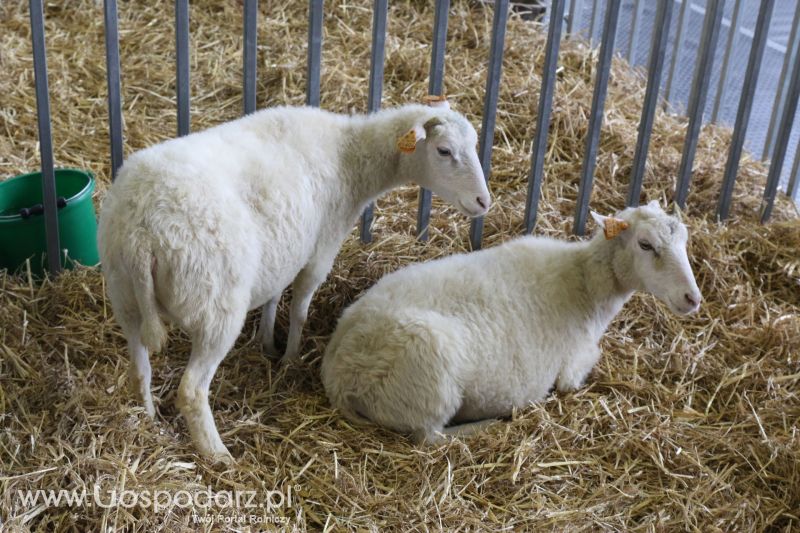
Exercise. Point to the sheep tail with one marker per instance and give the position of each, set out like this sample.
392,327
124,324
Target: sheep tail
152,331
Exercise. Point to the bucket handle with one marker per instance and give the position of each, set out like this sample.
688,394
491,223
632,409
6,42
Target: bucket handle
38,209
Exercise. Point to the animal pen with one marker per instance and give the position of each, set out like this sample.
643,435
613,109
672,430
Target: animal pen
685,423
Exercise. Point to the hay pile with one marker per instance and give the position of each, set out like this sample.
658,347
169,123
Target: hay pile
685,423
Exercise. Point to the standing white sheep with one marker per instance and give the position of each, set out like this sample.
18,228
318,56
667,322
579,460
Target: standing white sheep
200,229
471,336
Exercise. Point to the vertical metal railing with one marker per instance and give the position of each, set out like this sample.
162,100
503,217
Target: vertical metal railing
596,114
249,56
634,33
435,87
574,19
45,137
745,105
697,98
379,16
791,187
113,81
780,94
658,51
781,142
543,116
726,58
490,107
676,50
314,52
182,64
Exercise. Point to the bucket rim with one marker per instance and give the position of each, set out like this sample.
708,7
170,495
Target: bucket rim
86,190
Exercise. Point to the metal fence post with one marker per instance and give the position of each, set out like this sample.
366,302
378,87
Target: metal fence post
596,114
314,52
780,95
490,106
723,74
658,51
182,64
435,83
112,78
45,137
697,98
574,20
545,108
781,143
676,50
249,56
745,106
379,15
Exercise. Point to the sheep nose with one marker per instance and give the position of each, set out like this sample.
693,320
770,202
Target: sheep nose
694,301
481,202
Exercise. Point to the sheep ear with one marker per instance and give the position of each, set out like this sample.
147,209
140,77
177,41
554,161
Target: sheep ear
598,218
611,226
407,143
437,101
653,204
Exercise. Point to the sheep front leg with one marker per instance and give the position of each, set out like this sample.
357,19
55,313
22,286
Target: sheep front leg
575,369
303,288
266,328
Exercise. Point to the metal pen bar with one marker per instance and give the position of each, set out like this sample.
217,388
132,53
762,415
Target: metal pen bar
745,106
791,188
250,40
543,116
596,115
780,96
697,98
781,142
635,23
594,21
658,52
314,52
45,137
182,64
723,75
113,80
490,106
574,19
380,13
676,50
435,86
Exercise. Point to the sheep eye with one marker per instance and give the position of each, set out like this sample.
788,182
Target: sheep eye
646,246
444,152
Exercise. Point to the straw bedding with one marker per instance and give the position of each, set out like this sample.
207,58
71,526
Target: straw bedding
686,423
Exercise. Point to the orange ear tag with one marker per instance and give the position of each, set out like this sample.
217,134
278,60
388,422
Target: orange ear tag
613,227
434,99
408,142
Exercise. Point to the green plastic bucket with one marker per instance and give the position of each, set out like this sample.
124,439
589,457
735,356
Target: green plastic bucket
23,237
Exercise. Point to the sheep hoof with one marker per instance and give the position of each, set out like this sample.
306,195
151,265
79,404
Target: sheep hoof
270,350
150,410
290,357
223,457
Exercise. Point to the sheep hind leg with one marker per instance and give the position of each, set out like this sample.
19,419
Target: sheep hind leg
208,351
266,328
140,373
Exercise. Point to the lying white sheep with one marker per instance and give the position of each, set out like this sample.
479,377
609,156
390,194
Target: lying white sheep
471,336
200,229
